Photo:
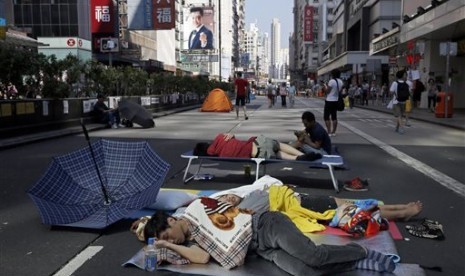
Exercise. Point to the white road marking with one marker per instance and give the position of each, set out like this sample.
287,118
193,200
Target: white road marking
436,175
78,261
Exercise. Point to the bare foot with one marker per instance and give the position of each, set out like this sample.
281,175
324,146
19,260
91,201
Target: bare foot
413,209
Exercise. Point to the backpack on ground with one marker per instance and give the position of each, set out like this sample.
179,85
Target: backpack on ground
403,91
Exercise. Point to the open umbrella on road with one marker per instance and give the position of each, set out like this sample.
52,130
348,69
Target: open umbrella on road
98,185
136,113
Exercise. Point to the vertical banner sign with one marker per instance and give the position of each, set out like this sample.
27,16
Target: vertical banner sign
148,19
163,14
140,14
308,23
101,13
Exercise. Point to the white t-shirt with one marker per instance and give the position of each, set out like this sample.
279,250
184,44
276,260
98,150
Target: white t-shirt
333,95
291,90
393,88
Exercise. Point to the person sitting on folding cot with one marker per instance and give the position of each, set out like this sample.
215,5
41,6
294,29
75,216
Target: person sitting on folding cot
313,138
227,145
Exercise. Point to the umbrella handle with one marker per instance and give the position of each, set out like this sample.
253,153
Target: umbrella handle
104,190
84,129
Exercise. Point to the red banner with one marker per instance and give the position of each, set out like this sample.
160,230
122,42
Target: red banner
308,23
102,16
413,59
164,17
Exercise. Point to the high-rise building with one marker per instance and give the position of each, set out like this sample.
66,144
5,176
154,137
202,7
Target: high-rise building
275,47
265,60
312,31
250,46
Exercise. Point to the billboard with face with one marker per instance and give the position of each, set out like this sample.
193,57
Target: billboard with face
199,27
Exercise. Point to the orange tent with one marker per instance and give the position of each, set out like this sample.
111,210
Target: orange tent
217,101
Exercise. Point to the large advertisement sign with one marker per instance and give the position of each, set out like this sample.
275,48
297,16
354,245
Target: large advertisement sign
164,14
151,14
308,24
103,19
102,16
199,28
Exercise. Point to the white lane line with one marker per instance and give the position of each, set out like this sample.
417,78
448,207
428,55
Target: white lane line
436,175
78,261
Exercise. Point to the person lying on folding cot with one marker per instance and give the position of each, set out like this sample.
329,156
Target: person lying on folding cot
227,145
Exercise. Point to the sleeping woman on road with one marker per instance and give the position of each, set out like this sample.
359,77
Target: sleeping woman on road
227,145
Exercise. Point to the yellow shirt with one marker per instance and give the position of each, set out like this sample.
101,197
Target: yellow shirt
282,199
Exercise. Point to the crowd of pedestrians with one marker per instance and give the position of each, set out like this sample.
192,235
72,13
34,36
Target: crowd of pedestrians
8,92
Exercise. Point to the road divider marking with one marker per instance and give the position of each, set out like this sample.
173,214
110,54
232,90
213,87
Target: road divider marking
445,180
78,261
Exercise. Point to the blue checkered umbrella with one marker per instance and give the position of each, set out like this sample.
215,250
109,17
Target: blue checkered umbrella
73,192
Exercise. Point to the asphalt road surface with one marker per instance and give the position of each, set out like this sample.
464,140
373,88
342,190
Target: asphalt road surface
426,163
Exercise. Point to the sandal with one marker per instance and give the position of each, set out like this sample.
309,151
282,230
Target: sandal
436,234
425,225
356,185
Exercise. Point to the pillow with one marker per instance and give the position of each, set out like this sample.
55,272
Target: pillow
168,200
222,230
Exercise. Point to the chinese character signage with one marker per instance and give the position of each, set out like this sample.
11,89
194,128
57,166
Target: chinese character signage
163,14
188,57
102,16
308,24
199,27
151,14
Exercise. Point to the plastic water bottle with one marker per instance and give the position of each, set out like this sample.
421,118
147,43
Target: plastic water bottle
150,255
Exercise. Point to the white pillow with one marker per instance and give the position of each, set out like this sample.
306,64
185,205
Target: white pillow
171,200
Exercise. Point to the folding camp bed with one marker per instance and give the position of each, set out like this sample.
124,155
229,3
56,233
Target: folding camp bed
328,161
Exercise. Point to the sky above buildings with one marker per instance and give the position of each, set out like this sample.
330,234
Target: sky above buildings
262,13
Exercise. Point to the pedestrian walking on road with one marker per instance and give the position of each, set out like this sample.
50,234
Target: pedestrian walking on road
365,91
332,95
292,91
432,94
283,94
351,93
240,87
401,90
270,93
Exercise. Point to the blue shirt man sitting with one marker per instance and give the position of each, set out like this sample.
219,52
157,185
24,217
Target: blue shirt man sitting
104,114
313,138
